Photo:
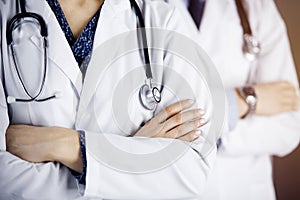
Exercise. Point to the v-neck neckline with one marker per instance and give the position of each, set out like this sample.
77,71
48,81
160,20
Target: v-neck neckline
66,28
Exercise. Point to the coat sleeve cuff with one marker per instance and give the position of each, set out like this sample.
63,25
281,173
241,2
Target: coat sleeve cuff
233,111
81,176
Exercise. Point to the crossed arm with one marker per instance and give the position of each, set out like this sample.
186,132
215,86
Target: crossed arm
272,98
49,144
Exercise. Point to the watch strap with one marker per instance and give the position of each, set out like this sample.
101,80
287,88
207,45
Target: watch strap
249,96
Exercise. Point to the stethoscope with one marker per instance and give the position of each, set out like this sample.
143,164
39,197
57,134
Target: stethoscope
149,95
12,25
251,46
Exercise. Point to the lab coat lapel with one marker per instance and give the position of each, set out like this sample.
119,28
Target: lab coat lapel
180,5
59,50
113,21
208,20
212,18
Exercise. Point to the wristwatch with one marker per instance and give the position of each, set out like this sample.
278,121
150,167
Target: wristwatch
248,94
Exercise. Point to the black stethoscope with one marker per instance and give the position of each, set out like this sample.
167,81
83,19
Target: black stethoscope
149,96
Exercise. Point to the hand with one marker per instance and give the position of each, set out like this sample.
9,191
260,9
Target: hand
277,97
43,144
172,122
272,98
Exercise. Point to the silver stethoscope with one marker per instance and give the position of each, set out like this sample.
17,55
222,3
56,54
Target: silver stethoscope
149,95
251,46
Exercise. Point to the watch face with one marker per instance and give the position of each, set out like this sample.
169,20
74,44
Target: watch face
248,93
251,100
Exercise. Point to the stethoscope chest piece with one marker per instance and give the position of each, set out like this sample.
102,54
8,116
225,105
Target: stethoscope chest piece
149,97
251,47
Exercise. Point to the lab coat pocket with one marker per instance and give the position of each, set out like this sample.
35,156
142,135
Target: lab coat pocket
27,65
22,79
48,88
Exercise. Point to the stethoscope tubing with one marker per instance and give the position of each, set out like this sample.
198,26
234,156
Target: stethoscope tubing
148,92
149,96
44,72
17,19
21,16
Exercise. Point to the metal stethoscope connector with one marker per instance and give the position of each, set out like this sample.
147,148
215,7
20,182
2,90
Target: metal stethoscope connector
11,99
149,96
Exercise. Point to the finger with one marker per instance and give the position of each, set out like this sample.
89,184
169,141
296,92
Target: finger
191,136
287,102
295,107
289,95
174,109
290,104
295,104
284,84
285,93
286,108
185,128
181,118
289,92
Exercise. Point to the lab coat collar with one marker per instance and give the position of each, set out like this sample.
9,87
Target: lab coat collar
210,16
59,50
208,19
114,20
110,20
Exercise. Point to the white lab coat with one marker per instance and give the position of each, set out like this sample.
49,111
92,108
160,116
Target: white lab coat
184,179
243,168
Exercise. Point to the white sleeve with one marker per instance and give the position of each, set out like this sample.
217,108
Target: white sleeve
3,112
273,135
24,180
21,179
183,178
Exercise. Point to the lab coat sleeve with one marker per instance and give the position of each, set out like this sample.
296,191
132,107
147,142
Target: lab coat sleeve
20,179
233,114
278,134
185,178
24,180
3,116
